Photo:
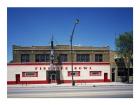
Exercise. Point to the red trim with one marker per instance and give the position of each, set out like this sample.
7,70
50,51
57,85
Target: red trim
61,81
98,73
84,81
35,74
27,82
70,73
65,63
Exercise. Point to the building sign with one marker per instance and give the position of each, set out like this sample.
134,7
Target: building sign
63,68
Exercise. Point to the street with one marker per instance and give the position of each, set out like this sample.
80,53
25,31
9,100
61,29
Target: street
125,91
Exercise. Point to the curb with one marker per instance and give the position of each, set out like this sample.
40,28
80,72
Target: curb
39,86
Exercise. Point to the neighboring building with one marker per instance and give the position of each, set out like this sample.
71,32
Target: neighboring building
119,71
34,65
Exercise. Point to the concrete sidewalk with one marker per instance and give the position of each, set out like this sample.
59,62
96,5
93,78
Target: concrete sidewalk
69,84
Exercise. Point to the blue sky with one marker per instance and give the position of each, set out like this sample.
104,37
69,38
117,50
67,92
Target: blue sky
97,27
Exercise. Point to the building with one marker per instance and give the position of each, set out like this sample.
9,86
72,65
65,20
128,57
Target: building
119,70
52,64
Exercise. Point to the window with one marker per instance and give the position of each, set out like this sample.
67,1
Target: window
82,57
25,57
95,73
75,73
98,57
63,57
29,74
42,57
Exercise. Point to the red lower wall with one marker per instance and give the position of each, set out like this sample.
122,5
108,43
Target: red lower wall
60,81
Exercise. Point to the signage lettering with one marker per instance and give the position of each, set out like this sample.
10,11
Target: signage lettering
63,68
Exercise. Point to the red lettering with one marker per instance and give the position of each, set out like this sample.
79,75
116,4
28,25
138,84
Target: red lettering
35,68
44,68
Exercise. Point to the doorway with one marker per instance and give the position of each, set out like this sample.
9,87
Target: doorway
113,77
52,78
105,77
17,78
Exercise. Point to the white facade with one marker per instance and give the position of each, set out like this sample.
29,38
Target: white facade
101,73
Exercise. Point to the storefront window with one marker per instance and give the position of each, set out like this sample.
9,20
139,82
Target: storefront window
95,73
75,73
29,74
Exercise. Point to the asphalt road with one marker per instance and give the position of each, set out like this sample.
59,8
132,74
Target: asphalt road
71,92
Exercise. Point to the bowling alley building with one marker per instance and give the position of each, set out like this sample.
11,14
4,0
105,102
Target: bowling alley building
47,65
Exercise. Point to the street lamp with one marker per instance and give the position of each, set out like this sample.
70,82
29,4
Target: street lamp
71,38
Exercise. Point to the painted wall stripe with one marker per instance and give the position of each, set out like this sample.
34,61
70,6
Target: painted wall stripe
60,81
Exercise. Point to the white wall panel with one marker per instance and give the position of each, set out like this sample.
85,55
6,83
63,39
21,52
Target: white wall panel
84,73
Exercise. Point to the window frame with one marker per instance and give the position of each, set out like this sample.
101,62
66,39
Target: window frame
77,75
24,74
83,57
25,58
98,57
42,57
98,74
65,59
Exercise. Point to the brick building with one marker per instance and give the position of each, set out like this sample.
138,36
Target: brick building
32,65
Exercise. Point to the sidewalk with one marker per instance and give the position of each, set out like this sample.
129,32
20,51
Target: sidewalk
69,84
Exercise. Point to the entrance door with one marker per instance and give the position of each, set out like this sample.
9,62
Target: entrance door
113,77
105,77
113,74
53,78
17,78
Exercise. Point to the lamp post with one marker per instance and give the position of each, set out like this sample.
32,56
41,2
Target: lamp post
71,38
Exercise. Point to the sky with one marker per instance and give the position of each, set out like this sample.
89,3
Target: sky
97,27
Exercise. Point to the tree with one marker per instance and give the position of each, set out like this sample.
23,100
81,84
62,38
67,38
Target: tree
124,45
